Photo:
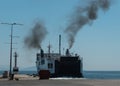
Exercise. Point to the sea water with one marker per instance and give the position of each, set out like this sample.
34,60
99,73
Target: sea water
102,74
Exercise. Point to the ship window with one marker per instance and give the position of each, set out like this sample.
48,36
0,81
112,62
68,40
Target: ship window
50,65
42,61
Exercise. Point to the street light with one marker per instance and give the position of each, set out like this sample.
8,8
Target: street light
11,36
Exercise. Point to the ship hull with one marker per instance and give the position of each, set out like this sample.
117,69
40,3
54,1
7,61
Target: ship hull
59,66
68,67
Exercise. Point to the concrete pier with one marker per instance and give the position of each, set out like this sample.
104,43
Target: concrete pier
29,81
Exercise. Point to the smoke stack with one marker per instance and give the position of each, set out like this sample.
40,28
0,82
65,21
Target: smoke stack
67,52
59,44
42,53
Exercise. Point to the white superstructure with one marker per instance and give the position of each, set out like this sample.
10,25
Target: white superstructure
46,61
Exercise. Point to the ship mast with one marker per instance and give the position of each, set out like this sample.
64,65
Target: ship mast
59,44
49,49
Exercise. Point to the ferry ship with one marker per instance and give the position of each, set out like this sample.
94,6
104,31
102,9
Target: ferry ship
57,65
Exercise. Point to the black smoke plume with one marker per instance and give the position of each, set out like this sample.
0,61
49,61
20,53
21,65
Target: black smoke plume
84,15
36,36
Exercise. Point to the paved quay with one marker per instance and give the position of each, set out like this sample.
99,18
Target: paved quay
60,82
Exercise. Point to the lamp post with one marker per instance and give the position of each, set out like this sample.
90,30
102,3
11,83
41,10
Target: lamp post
11,42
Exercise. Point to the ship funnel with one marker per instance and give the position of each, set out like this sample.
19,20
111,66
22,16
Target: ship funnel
67,52
59,44
42,52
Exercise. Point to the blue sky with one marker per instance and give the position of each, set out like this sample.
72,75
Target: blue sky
98,44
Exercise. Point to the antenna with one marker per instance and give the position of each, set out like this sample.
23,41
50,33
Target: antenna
11,43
